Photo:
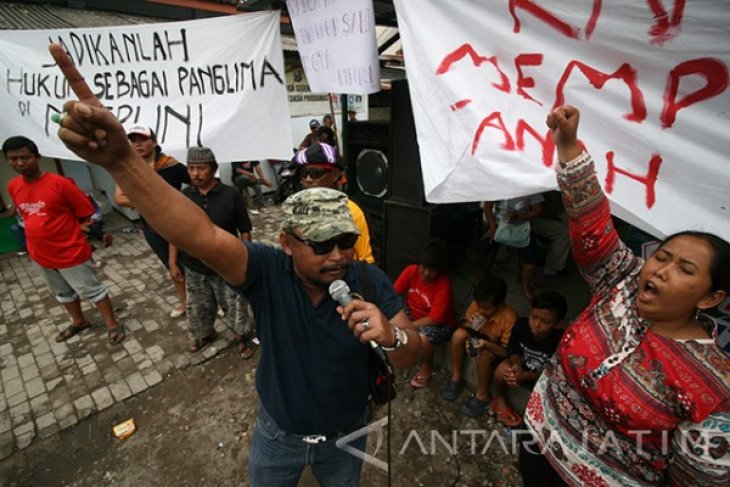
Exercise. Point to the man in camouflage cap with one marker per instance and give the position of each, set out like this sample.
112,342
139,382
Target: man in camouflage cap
319,166
312,377
319,213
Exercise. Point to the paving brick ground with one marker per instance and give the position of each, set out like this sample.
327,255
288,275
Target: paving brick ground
46,386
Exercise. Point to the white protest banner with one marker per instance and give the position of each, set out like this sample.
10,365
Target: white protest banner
650,78
337,44
214,82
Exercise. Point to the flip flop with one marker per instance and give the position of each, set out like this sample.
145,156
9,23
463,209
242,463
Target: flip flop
245,348
474,407
507,416
419,381
116,335
195,346
72,331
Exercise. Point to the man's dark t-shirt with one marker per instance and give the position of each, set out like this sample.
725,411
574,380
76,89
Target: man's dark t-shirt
312,372
224,206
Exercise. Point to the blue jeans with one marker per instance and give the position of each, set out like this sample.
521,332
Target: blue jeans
277,458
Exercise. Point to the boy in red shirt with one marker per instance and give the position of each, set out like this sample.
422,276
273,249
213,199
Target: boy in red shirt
430,303
53,209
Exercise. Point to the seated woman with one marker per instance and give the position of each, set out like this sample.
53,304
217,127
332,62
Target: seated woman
638,392
428,296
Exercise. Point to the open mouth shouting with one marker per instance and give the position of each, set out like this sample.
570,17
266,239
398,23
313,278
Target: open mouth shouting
648,292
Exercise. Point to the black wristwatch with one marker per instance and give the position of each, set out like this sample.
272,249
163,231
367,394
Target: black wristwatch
401,339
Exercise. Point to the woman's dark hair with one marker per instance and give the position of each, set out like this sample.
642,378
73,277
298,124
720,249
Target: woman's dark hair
720,265
435,255
552,301
19,142
492,290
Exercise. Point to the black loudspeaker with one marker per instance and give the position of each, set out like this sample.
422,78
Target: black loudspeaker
406,230
368,162
367,149
384,177
408,227
383,158
372,169
406,177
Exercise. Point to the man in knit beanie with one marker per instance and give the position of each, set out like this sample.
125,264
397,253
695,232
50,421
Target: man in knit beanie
205,289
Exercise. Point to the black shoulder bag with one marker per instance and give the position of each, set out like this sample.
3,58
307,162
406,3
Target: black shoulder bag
381,379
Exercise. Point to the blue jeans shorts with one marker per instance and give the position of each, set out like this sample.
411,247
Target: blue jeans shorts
68,284
278,458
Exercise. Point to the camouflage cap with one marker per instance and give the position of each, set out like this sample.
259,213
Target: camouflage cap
319,213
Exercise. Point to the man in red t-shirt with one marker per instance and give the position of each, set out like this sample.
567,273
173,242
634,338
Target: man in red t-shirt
53,209
430,302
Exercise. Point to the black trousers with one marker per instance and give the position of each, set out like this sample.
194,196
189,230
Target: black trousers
536,470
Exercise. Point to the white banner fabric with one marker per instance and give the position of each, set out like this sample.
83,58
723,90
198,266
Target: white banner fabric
337,44
650,79
216,82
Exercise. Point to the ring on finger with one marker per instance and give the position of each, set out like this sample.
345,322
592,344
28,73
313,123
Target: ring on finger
58,117
365,325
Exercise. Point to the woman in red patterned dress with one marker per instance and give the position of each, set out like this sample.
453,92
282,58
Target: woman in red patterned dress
638,392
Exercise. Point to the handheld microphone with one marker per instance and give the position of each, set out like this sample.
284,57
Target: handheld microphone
340,292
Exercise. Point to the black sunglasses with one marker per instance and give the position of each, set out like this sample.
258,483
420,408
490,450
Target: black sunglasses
313,172
343,242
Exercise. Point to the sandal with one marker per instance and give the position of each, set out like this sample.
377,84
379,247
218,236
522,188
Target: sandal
72,331
419,381
245,348
474,407
116,335
195,346
178,312
507,416
452,390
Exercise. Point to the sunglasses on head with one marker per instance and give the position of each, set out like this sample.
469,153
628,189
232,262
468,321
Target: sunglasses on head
313,172
343,242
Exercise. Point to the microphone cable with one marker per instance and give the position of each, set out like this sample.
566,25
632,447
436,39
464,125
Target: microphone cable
389,383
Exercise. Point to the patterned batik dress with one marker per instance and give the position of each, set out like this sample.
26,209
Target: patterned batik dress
619,405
